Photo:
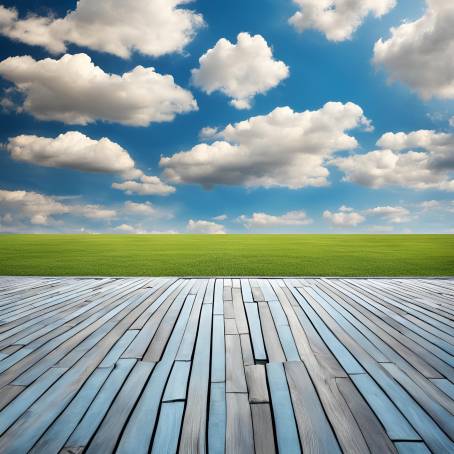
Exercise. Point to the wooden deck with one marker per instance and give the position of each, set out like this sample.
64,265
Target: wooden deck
226,365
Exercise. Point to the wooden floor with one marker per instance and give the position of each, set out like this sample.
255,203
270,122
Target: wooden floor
226,365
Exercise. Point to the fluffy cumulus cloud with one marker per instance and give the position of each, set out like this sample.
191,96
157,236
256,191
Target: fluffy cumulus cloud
73,150
145,209
419,160
40,209
119,27
345,217
145,185
337,19
392,214
420,53
240,70
74,90
265,220
202,226
284,148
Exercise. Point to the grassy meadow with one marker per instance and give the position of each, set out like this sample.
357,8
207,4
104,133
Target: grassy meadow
222,255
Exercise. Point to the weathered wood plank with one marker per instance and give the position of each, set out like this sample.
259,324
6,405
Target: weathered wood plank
315,431
235,378
217,419
262,422
168,430
194,430
286,432
256,383
239,434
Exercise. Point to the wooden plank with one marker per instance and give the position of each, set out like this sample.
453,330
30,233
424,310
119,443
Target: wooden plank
394,423
246,350
117,350
230,326
239,433
262,422
235,378
424,425
178,382
194,430
376,438
273,346
284,419
32,393
343,355
101,404
412,448
218,350
256,331
445,385
218,304
217,419
246,291
441,416
240,314
187,344
256,383
314,429
108,433
8,393
55,437
229,310
168,430
158,343
139,429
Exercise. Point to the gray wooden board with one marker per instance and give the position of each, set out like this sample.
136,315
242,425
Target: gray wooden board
168,429
286,432
239,434
218,350
178,382
256,383
235,378
256,331
217,419
262,422
315,431
193,432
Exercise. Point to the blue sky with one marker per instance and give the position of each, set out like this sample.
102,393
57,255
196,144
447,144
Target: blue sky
254,188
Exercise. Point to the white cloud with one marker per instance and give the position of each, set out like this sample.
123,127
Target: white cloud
205,227
345,217
145,209
264,220
451,122
420,53
94,212
207,133
119,27
73,150
428,205
337,19
221,217
75,91
145,185
240,70
393,214
140,230
284,148
39,209
430,167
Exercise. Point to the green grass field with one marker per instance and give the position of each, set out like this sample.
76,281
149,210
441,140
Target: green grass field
222,255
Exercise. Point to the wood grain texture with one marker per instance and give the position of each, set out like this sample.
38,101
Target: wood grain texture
139,365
